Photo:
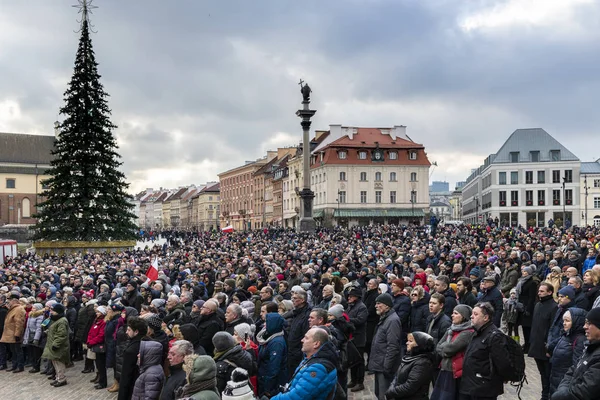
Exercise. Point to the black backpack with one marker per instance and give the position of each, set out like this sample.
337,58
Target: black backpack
516,374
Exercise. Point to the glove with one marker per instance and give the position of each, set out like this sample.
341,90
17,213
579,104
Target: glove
36,342
54,348
17,339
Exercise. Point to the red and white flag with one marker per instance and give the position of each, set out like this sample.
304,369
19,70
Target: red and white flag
227,229
152,272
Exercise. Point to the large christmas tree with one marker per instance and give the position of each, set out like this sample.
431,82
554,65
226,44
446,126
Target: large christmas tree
87,198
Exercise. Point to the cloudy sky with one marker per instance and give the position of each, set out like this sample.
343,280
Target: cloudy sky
197,87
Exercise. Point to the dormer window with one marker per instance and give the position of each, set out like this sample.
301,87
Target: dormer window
362,155
342,154
393,155
412,155
555,155
535,156
514,157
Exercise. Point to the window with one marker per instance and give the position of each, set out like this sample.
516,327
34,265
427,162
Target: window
378,196
362,155
514,178
502,198
26,207
529,177
363,196
413,176
541,176
555,155
342,196
392,177
10,183
363,176
541,197
555,176
529,197
393,155
568,176
514,197
569,197
596,202
342,155
556,197
535,156
342,176
378,176
393,197
413,197
502,178
412,155
596,183
514,157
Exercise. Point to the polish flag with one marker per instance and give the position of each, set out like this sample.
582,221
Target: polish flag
227,229
152,272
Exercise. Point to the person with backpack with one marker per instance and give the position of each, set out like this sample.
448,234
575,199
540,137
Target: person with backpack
486,357
569,348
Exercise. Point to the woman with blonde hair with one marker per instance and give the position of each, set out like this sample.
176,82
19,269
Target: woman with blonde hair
591,285
554,278
419,309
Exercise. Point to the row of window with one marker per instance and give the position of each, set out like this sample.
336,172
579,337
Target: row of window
393,176
529,200
534,156
362,155
541,177
25,206
378,196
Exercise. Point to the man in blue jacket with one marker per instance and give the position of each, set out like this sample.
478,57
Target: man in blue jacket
316,376
272,356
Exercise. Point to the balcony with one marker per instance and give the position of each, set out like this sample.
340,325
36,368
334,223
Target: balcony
556,202
514,203
569,202
541,202
529,202
502,203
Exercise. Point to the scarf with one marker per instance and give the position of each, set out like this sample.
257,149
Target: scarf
263,337
460,327
193,388
520,283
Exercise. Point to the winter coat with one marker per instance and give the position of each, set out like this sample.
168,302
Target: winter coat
57,343
14,325
272,356
412,379
315,378
121,342
385,349
149,384
556,328
133,299
297,330
418,315
441,323
85,319
527,297
176,316
129,369
468,299
543,315
96,333
110,342
478,374
176,379
230,360
588,264
33,331
581,382
451,348
208,326
450,301
3,313
509,280
358,314
581,300
402,308
71,315
494,297
569,348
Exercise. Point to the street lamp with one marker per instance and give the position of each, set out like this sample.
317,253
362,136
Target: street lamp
338,206
413,198
586,187
564,200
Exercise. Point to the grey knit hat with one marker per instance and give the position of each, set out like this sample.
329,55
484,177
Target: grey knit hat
223,341
243,330
464,310
337,311
154,322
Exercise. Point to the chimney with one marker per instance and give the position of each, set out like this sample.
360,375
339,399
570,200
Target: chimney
336,132
399,132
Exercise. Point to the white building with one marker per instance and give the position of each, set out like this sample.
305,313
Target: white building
590,179
531,179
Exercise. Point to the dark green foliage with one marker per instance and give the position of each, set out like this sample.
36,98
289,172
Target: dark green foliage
86,198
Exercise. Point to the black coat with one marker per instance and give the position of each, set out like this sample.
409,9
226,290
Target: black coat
85,320
450,301
569,348
208,326
468,299
478,376
110,342
527,297
440,326
402,308
418,315
581,382
412,379
494,297
298,327
130,370
543,314
358,314
175,380
227,362
556,328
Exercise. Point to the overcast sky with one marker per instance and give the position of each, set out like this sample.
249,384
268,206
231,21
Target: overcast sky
198,87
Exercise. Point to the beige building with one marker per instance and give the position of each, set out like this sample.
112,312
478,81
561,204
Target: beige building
24,160
292,183
207,204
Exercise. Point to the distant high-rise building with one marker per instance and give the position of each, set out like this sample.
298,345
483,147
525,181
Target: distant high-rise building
459,185
439,186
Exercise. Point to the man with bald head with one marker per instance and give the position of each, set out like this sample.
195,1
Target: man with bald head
209,324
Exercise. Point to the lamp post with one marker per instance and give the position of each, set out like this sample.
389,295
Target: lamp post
564,201
586,187
413,199
307,222
338,207
476,209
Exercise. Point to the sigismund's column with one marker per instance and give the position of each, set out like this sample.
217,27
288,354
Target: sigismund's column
307,222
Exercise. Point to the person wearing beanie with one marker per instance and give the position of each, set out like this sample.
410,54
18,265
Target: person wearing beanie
85,318
238,388
527,296
95,344
195,314
227,355
336,311
132,297
385,355
33,336
580,381
57,344
451,349
415,372
12,335
358,314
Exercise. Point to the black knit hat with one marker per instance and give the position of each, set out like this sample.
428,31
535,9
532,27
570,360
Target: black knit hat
154,322
386,299
58,308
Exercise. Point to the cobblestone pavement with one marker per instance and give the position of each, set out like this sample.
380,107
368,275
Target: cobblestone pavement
26,386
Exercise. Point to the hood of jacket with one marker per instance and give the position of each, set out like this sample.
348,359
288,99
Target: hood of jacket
201,368
274,323
150,354
328,352
190,333
578,320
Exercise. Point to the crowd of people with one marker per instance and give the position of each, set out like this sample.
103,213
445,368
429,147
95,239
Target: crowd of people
276,314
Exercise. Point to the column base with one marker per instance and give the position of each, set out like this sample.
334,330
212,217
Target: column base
307,225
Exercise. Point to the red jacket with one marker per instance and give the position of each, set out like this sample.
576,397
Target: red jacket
96,335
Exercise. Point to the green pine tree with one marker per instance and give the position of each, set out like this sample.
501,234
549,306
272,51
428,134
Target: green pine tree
87,198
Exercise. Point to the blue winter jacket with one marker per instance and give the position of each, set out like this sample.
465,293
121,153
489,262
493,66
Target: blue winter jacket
569,348
272,356
315,378
588,264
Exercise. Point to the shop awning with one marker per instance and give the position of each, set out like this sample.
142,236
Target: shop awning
379,213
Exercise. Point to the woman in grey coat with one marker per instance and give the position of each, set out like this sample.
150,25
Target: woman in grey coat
152,376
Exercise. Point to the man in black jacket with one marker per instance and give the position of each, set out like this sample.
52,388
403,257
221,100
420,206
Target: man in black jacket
372,320
492,295
358,314
136,330
543,314
3,346
464,292
177,377
479,376
298,327
442,286
210,323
